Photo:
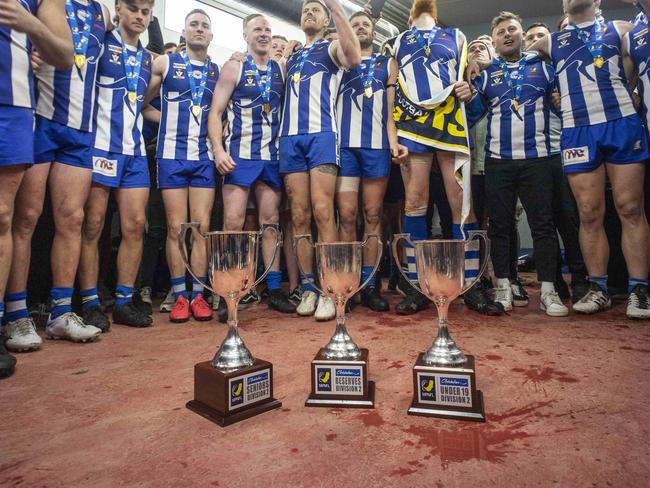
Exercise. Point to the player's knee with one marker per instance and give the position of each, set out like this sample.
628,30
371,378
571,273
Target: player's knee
92,226
234,222
372,217
133,228
630,210
25,219
69,220
301,220
323,213
6,215
591,214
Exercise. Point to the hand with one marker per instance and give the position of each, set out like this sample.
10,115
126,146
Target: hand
237,56
556,100
399,153
636,100
291,48
463,91
37,61
224,163
15,16
473,70
367,8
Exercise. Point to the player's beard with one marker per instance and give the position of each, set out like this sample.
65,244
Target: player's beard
366,43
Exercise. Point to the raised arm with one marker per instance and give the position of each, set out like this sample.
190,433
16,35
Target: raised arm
542,47
346,51
223,92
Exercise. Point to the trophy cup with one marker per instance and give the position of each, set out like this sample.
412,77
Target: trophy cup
234,385
444,378
339,372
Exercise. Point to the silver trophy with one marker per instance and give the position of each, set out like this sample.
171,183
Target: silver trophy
339,271
232,263
441,277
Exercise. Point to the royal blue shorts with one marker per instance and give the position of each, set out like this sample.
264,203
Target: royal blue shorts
622,141
306,151
416,147
55,142
248,172
16,136
181,173
119,170
365,163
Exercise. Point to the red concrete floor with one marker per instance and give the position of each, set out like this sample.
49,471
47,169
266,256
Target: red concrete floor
567,405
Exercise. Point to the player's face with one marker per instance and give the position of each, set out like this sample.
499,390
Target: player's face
134,16
258,35
479,52
534,34
313,19
577,6
277,49
198,31
508,37
363,29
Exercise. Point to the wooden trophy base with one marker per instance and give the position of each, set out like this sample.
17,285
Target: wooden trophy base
336,383
226,398
446,392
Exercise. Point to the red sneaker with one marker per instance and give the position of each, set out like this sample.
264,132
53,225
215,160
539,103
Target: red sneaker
181,310
201,311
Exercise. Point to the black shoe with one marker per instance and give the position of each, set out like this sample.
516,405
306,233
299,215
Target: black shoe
250,299
371,298
478,299
579,288
562,289
128,314
519,293
141,305
222,311
280,302
413,301
7,361
295,296
94,316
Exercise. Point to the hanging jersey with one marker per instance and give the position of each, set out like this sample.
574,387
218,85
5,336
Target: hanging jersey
427,80
118,122
16,75
182,134
639,47
362,119
68,96
253,132
310,102
516,129
590,95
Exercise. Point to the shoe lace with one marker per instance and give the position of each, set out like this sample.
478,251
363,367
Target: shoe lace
24,327
501,295
552,298
76,320
638,299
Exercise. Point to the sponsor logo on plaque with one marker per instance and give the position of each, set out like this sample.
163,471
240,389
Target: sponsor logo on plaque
428,388
250,388
455,391
324,376
237,392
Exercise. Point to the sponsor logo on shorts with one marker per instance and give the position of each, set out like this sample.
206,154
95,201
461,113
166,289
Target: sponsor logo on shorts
106,167
577,155
638,145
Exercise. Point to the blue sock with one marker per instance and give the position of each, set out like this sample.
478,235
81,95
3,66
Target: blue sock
178,288
631,284
365,274
274,280
16,307
61,301
472,252
308,281
123,295
600,281
89,298
417,228
197,287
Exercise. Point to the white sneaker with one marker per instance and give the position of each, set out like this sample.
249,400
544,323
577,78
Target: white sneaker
594,301
552,305
638,303
325,310
168,303
504,297
21,335
145,294
307,305
69,326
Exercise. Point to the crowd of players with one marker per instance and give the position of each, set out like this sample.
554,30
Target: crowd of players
327,138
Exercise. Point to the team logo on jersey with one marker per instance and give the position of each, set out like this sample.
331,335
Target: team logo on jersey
106,167
411,40
640,38
638,146
250,80
563,39
497,78
577,155
115,58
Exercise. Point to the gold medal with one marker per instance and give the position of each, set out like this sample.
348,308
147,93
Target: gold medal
267,108
79,60
516,105
599,62
368,92
196,110
427,51
296,77
133,97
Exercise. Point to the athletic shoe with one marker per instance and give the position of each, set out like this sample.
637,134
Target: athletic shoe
7,361
638,303
94,316
503,296
519,293
71,327
280,302
168,303
144,301
325,310
579,288
295,296
478,299
372,299
21,335
594,301
413,302
129,315
201,311
180,311
250,299
307,305
552,304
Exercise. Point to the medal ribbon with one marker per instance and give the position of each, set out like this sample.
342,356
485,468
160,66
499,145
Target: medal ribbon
594,41
369,76
264,86
516,84
197,91
132,70
421,41
303,57
79,39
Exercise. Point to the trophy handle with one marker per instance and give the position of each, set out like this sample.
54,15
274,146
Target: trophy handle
182,246
278,245
407,238
296,240
482,235
380,252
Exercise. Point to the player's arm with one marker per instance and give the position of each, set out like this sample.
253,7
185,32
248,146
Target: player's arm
542,46
346,51
477,107
107,18
157,73
150,114
398,152
223,92
48,30
631,72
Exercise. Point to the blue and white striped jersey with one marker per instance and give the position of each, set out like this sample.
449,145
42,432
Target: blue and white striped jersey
181,134
310,101
590,95
639,47
68,96
16,75
252,132
515,130
362,119
118,125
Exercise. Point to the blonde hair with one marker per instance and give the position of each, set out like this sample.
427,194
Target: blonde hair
503,16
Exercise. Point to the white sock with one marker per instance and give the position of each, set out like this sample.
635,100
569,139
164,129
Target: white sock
503,283
548,287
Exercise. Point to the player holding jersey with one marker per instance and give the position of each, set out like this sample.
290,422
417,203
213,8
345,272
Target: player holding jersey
308,139
119,157
186,81
24,25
